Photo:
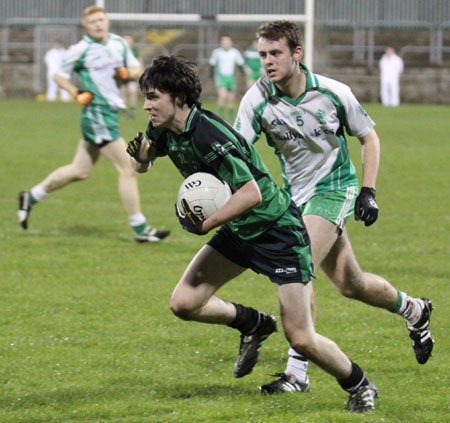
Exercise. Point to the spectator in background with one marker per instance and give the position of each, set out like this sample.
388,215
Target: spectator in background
129,86
223,62
53,59
253,68
391,67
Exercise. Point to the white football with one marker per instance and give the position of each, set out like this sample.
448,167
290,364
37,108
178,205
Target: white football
204,193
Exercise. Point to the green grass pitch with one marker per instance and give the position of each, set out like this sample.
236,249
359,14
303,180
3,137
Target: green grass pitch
86,334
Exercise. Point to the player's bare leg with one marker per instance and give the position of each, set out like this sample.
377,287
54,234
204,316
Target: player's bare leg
115,152
80,168
222,94
194,299
84,160
299,329
231,102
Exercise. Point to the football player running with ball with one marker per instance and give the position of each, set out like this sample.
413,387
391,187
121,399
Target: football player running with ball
261,228
304,116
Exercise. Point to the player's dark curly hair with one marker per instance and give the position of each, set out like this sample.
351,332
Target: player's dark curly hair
276,30
173,75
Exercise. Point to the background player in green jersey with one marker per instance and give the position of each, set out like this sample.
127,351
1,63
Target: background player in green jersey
98,60
223,64
261,228
253,68
304,116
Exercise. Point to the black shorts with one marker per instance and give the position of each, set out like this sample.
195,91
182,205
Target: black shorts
282,253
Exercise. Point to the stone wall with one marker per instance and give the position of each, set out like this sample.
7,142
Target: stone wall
417,85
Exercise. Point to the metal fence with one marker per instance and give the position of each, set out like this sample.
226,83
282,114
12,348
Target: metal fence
339,13
48,20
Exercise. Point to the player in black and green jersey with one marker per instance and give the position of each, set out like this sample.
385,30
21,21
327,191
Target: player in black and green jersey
261,228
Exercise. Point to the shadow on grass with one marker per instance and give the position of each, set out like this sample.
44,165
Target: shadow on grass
116,389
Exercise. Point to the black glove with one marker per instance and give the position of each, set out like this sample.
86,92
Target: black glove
190,221
134,146
366,208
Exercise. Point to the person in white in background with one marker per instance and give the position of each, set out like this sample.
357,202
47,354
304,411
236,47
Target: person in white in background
53,59
222,63
391,67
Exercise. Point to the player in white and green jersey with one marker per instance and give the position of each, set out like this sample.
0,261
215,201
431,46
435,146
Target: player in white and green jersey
260,229
305,118
253,68
223,61
99,60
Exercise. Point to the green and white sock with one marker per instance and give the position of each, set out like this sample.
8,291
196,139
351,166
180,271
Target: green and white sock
407,307
297,365
138,222
36,194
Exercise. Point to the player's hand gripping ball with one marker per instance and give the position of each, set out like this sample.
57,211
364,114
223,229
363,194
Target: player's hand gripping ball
366,208
188,219
84,97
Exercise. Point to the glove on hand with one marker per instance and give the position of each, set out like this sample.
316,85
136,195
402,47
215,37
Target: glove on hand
84,97
134,148
366,208
189,221
122,73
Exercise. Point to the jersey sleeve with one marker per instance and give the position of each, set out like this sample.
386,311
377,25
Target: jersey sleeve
358,122
71,57
248,119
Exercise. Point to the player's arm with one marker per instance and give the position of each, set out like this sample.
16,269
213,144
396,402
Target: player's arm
370,144
82,97
241,202
142,153
366,208
66,84
135,72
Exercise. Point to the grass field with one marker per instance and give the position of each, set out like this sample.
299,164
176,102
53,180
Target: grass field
85,329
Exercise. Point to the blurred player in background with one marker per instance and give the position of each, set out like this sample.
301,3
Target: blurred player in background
98,60
304,116
253,68
262,228
129,86
223,63
53,59
391,67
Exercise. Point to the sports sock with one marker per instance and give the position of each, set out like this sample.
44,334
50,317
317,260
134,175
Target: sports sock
138,222
355,380
36,194
247,319
407,307
297,365
221,112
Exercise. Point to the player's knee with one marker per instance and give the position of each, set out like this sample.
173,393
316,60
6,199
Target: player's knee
180,308
77,174
304,345
351,287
